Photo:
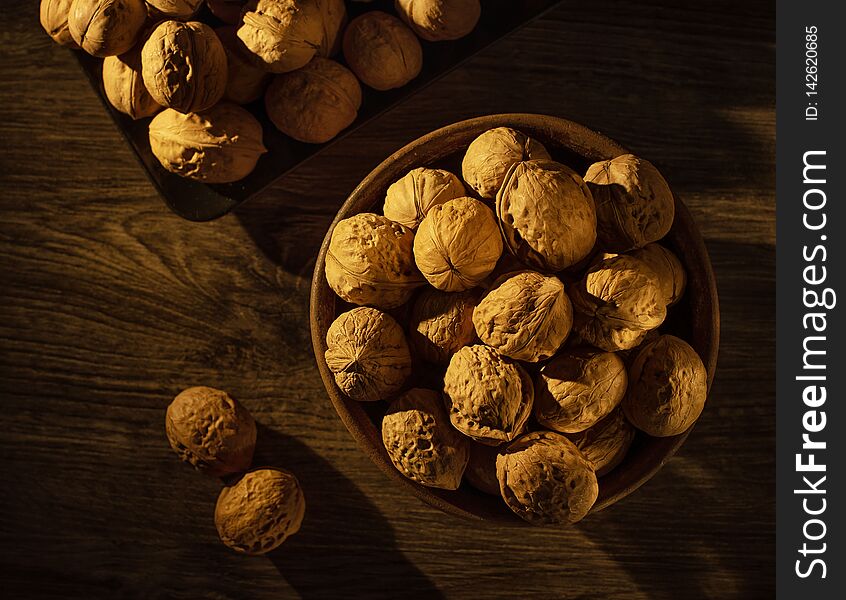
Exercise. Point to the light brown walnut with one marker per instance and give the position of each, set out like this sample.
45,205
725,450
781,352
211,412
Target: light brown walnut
382,51
492,154
54,20
211,431
367,352
124,85
441,323
106,27
545,480
371,261
410,199
439,20
421,442
606,443
176,9
282,35
260,511
666,265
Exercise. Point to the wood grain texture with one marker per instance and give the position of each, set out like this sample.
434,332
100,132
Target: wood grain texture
111,306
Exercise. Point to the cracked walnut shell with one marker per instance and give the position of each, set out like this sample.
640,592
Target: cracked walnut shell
525,316
315,103
220,145
437,20
370,261
668,386
457,244
489,396
605,444
671,274
211,431
106,27
492,154
54,19
411,198
382,51
634,204
547,214
184,66
578,388
441,323
367,352
259,511
545,480
421,442
124,85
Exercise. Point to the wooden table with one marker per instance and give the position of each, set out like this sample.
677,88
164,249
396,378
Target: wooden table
111,305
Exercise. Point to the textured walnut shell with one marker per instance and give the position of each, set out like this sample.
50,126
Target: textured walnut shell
184,66
124,85
578,388
492,154
545,480
525,316
441,323
438,20
334,19
315,103
412,197
481,468
367,352
260,511
671,274
282,35
616,302
667,387
245,82
54,20
382,51
176,9
634,204
211,431
220,145
228,11
605,444
370,261
421,442
106,27
489,396
457,244
547,215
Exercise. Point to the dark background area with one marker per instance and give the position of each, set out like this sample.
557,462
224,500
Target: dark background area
111,305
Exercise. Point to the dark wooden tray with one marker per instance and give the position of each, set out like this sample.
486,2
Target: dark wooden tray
203,202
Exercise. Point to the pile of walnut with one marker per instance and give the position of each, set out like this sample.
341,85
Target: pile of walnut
533,295
160,62
259,508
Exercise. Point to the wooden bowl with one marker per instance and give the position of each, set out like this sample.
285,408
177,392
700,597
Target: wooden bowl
696,318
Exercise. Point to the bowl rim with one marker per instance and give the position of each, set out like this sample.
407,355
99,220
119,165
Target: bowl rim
408,157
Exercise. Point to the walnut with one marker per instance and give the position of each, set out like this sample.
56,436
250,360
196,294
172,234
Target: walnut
410,199
457,244
547,215
106,27
577,388
605,444
219,145
176,9
436,20
228,11
284,35
617,302
481,468
489,396
370,261
441,323
259,511
211,431
367,352
422,443
315,103
634,204
671,274
667,387
124,85
334,19
54,20
382,51
184,66
525,316
545,480
492,154
245,82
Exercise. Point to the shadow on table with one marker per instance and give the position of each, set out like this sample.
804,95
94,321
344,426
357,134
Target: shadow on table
345,547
